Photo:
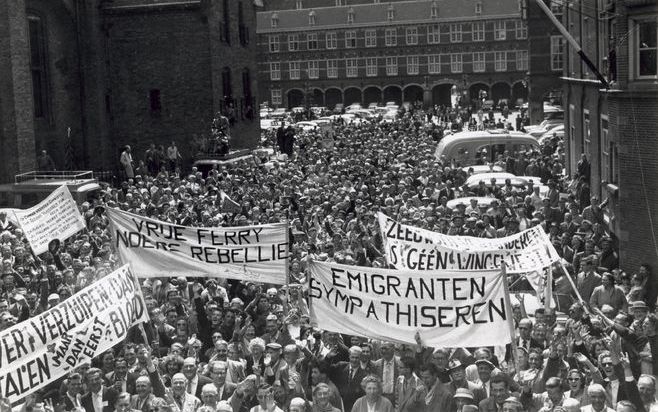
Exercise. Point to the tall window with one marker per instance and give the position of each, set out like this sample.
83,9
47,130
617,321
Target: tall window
293,42
500,30
587,134
313,69
478,31
557,7
456,63
456,33
391,37
275,71
227,87
434,10
433,34
521,29
350,15
274,23
500,61
478,8
276,96
243,29
557,53
605,151
479,62
332,69
312,41
434,64
522,60
390,13
350,39
38,64
154,101
299,4
332,40
645,56
246,84
412,36
294,70
226,22
392,66
351,67
413,64
274,44
371,38
311,18
371,66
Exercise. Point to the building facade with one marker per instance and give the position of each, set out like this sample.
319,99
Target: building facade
546,61
615,128
84,78
328,52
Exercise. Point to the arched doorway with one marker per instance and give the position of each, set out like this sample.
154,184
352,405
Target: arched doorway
333,96
519,91
316,98
500,91
441,94
295,98
372,94
393,94
413,93
352,95
474,91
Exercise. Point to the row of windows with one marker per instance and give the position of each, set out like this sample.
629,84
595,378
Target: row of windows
390,12
456,33
391,64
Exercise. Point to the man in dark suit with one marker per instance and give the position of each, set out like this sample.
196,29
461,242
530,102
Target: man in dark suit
218,371
119,379
73,394
499,392
99,398
387,368
194,381
348,376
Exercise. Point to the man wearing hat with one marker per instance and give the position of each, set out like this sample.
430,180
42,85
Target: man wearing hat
458,382
639,310
462,398
512,404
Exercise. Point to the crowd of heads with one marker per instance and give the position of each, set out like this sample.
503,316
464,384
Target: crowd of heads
214,344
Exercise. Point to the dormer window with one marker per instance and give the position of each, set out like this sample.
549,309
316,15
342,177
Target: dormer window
350,15
478,8
274,21
390,13
299,4
434,12
311,18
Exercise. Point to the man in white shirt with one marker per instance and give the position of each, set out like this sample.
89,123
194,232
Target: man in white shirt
99,398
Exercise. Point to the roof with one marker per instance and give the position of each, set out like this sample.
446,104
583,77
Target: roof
365,15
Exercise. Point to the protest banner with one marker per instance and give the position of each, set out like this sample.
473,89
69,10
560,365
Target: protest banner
44,348
411,248
56,217
447,308
156,249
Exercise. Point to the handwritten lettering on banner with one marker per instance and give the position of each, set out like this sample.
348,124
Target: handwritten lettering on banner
449,309
44,348
156,248
412,248
56,217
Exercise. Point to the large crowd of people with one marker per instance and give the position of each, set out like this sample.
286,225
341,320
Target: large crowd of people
214,344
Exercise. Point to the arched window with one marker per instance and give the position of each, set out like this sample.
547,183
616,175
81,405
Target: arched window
274,21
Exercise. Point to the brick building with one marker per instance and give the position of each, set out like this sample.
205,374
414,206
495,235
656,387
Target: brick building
546,57
616,128
88,77
338,51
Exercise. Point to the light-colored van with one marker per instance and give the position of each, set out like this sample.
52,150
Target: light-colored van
466,148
